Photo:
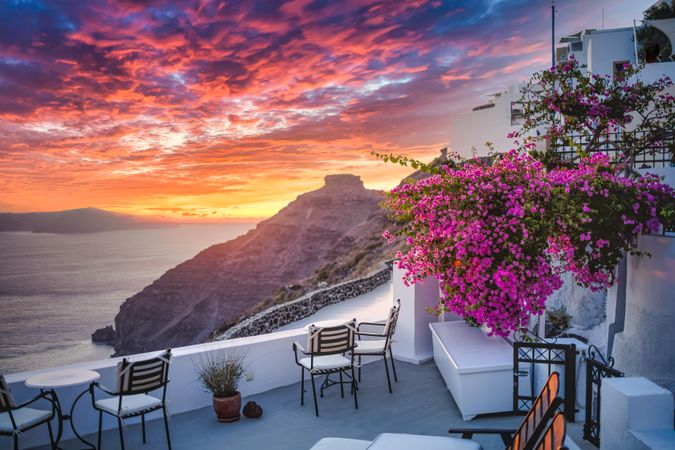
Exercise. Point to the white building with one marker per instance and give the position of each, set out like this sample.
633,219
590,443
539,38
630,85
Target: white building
490,122
603,52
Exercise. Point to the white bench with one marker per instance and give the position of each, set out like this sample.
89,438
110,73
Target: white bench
477,368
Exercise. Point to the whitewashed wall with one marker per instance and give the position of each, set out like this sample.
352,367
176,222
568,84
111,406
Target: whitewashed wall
645,347
269,358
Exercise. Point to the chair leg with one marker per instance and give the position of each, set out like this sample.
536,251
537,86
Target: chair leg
355,388
342,391
51,435
166,428
302,386
386,368
359,368
119,425
143,426
393,366
100,428
316,404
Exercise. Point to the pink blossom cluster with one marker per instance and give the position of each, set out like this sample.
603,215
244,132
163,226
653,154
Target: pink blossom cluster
498,237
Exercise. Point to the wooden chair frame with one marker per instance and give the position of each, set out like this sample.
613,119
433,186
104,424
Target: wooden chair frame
526,435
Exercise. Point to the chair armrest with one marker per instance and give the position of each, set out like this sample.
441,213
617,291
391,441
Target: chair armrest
358,327
98,385
371,334
297,346
46,395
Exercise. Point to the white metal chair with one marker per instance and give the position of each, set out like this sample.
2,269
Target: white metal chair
381,346
325,354
15,419
135,380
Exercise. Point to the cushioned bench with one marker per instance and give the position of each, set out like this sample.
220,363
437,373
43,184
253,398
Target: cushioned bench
477,368
396,441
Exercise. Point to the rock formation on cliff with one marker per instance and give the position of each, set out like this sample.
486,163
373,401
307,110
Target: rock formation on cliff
326,235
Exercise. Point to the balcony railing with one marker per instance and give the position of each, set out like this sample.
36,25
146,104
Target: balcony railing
647,155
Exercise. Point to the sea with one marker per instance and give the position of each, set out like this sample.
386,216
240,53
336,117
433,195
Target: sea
57,289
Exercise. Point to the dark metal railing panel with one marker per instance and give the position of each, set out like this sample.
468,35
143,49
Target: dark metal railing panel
597,368
550,354
647,155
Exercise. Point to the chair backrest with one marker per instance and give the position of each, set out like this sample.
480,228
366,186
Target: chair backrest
392,319
554,436
331,340
143,376
6,400
543,408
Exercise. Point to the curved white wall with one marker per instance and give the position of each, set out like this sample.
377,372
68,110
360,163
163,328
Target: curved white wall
269,357
645,347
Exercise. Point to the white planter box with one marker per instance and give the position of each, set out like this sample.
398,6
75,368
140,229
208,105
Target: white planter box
478,369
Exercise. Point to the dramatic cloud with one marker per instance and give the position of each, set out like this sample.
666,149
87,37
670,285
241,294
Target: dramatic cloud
229,109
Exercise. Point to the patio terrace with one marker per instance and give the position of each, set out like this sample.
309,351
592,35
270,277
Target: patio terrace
420,404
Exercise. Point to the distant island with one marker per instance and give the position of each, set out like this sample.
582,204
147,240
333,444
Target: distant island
83,220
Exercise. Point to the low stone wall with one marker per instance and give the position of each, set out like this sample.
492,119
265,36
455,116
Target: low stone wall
279,315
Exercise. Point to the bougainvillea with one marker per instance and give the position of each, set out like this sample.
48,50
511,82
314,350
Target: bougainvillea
498,236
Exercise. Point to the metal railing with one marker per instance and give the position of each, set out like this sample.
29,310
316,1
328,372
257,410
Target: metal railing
648,154
559,357
597,368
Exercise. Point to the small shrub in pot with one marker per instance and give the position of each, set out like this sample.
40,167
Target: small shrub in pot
220,374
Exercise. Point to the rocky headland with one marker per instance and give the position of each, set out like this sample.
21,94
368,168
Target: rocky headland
323,237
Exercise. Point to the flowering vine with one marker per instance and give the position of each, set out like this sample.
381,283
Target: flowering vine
499,236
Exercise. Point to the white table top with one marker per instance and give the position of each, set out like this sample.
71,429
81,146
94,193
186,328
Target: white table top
62,378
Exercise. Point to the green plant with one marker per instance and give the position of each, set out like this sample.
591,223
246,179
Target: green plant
220,373
558,318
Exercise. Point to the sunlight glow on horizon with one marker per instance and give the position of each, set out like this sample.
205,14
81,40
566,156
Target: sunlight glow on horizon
201,110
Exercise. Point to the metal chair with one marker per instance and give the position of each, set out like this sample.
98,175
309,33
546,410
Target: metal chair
325,354
15,419
382,346
135,380
531,428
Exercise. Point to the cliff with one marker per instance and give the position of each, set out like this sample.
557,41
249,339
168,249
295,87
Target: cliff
83,220
330,234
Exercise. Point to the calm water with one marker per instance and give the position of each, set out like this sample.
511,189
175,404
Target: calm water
56,289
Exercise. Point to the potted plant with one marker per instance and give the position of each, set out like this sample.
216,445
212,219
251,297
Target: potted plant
220,374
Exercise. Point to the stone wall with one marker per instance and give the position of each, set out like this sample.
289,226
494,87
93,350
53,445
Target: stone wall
279,315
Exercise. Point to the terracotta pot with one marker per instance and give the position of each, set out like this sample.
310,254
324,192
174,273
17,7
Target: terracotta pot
227,408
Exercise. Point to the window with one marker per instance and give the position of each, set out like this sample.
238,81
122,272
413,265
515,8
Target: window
577,46
516,113
619,66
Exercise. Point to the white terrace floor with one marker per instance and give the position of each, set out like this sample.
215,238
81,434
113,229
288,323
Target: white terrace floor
420,404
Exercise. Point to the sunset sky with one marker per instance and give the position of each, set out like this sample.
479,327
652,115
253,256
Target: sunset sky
227,110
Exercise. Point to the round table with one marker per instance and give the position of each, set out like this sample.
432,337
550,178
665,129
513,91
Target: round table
62,379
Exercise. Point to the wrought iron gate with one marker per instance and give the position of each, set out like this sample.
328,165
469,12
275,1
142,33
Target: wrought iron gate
527,355
597,368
